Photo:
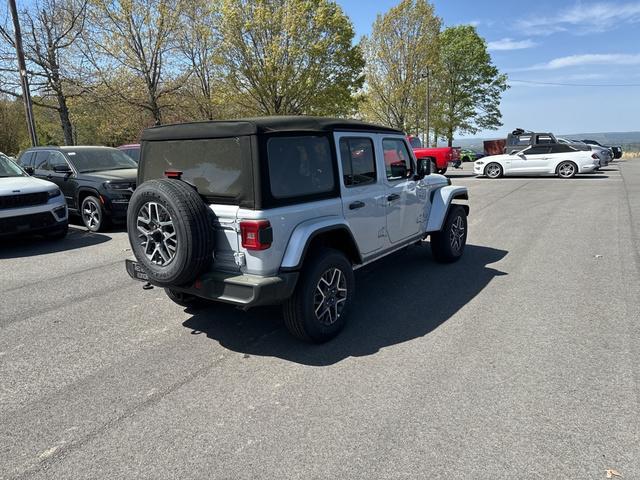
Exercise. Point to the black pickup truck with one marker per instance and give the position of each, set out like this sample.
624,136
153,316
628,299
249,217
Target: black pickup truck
520,139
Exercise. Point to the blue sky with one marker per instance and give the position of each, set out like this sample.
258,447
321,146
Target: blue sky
550,41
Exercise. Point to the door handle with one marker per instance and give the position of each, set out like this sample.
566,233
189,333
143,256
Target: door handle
356,205
392,197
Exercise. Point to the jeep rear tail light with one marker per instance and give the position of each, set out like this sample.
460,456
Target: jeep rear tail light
256,234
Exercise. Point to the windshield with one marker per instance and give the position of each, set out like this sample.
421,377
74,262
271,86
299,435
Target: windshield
99,159
9,169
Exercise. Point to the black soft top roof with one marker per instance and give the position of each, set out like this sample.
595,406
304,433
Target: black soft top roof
261,125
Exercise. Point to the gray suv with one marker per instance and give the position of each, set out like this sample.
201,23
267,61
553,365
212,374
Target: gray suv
281,210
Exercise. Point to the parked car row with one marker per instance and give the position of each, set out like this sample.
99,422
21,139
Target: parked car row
542,153
45,184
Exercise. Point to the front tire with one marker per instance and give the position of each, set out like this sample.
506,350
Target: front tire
92,214
567,170
448,244
493,170
318,308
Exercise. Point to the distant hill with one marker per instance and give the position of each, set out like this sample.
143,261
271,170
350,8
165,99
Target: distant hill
628,140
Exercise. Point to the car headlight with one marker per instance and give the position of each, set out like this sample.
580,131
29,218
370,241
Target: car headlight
119,185
55,193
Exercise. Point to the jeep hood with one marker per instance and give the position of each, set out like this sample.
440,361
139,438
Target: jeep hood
19,185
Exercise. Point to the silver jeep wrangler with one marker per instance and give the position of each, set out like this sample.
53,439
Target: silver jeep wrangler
281,210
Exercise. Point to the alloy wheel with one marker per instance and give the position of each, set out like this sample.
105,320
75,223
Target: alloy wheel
330,296
456,234
493,171
91,215
156,233
567,170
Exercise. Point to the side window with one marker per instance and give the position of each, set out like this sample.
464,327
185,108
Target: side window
523,140
41,160
55,159
358,161
397,159
300,166
537,150
25,160
544,139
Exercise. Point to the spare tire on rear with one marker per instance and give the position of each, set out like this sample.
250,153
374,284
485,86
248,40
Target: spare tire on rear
170,231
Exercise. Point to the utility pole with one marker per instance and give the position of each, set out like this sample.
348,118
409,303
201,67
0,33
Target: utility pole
22,70
426,109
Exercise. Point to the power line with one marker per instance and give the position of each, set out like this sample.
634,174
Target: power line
577,84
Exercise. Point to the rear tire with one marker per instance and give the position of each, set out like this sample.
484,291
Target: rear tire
567,170
317,311
448,244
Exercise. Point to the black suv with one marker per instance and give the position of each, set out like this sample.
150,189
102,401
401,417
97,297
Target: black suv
97,182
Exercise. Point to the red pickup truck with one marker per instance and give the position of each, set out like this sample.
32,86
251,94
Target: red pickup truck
441,157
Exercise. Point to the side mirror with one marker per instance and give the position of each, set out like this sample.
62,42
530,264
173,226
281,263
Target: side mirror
423,168
520,154
62,168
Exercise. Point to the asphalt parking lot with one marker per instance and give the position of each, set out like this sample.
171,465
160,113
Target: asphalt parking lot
520,361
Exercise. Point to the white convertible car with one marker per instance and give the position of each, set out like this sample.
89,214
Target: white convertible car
547,159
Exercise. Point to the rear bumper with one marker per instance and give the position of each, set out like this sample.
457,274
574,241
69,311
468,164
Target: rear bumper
242,290
587,168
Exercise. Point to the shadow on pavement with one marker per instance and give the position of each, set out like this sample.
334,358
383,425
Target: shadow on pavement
402,297
30,246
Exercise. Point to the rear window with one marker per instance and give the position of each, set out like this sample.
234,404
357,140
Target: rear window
220,168
300,166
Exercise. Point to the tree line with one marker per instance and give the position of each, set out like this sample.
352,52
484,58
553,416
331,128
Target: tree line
103,70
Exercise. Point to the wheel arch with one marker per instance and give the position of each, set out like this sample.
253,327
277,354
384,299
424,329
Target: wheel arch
441,202
84,192
307,237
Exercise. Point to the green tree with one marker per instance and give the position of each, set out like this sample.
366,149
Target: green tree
468,85
137,40
50,30
200,44
402,49
290,56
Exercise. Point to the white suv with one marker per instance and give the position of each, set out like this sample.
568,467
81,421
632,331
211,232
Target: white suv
30,205
281,210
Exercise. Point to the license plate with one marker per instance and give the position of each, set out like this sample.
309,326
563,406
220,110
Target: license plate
136,271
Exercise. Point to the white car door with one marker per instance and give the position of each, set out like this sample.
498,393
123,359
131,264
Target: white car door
535,159
403,205
363,192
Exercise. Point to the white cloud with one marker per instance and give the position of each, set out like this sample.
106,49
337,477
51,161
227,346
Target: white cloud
509,44
588,59
583,18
